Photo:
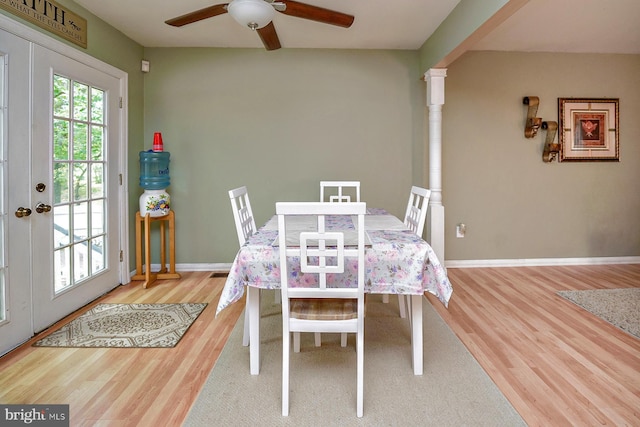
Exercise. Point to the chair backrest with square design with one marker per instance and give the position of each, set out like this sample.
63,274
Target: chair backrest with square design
333,301
340,191
417,209
242,213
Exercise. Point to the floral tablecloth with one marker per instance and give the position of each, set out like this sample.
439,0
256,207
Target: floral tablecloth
397,262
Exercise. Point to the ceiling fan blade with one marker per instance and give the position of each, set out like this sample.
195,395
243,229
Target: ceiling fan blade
198,15
315,13
269,36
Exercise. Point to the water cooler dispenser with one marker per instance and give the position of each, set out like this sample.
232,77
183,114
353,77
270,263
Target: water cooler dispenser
154,178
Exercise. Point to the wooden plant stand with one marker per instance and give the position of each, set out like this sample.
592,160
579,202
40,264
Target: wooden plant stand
146,274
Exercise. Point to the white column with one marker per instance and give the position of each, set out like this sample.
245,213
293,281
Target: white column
435,101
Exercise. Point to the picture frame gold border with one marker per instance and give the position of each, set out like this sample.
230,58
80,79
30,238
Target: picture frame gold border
596,112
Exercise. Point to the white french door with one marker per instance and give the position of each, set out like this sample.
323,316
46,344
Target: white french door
15,233
75,162
61,192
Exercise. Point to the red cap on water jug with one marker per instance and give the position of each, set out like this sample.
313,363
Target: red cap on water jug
157,142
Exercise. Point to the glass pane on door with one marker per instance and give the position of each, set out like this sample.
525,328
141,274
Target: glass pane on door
79,175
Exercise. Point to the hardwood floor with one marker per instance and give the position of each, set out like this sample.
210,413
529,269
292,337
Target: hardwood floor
127,387
557,364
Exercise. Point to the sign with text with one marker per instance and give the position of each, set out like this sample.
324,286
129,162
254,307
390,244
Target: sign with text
34,415
52,17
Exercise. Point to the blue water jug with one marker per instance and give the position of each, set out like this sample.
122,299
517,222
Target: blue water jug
154,170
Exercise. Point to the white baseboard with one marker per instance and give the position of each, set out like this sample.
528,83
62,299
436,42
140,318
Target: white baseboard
540,262
203,267
193,267
531,262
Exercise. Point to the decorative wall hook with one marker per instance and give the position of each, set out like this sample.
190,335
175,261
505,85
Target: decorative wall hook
551,150
533,122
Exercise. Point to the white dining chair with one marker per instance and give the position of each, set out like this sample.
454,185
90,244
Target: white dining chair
328,306
245,227
242,214
414,219
339,191
416,213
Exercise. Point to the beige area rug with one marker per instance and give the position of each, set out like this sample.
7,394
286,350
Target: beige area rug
454,390
126,326
620,307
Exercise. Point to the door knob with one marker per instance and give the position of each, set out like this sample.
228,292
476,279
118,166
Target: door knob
41,207
23,212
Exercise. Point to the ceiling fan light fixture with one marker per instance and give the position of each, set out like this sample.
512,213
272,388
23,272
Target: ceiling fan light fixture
251,13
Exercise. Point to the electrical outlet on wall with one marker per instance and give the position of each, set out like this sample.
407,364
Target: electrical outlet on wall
461,229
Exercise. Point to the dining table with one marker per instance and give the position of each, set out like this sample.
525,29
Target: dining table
397,261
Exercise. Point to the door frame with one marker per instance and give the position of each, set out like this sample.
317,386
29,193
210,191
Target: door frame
29,34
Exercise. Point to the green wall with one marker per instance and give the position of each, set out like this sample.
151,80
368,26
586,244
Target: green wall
494,180
279,122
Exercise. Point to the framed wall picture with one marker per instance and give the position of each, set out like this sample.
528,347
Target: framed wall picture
589,129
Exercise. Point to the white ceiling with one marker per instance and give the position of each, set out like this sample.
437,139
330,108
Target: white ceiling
585,26
579,26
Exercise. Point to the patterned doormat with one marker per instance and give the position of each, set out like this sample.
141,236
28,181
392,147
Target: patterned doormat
620,307
126,326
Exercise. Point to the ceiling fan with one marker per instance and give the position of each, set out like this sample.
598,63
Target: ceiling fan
258,15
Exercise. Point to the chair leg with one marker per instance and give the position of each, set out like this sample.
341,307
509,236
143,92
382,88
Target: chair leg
285,372
296,342
402,300
385,298
360,375
318,338
343,339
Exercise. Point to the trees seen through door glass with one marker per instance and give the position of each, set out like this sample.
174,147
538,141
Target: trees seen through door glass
78,181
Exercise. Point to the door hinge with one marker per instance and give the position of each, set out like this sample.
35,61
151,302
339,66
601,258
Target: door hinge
120,178
121,256
120,102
